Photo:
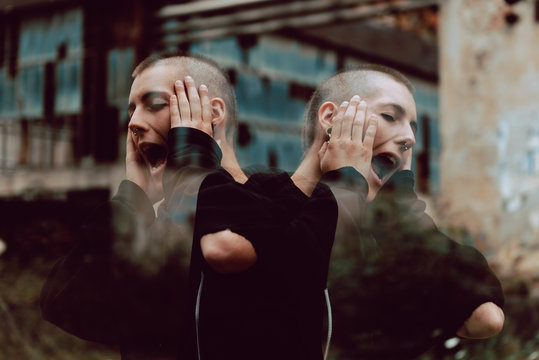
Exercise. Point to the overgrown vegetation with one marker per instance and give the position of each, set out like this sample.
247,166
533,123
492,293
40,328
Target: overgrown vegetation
33,247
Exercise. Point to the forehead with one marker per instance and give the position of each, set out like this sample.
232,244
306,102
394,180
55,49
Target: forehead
387,91
160,77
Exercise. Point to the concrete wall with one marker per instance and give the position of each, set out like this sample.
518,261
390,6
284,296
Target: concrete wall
489,92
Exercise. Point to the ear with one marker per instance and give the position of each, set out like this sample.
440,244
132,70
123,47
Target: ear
218,112
326,114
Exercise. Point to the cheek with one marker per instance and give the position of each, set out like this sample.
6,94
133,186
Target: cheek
378,139
382,133
162,123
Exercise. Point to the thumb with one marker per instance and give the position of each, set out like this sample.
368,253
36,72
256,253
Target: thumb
129,146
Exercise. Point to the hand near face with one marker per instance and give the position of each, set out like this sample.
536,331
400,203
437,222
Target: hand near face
137,171
347,145
191,107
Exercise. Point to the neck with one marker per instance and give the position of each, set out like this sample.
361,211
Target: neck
308,173
230,162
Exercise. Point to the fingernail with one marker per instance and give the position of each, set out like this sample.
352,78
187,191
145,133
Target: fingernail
203,87
178,83
188,78
363,103
355,98
345,103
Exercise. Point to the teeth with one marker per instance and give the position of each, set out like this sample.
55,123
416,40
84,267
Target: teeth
157,165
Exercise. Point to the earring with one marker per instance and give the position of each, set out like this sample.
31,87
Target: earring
134,131
328,131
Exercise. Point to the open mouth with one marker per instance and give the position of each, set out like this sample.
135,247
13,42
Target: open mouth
384,165
155,154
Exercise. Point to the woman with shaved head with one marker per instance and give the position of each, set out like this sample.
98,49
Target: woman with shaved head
407,285
125,282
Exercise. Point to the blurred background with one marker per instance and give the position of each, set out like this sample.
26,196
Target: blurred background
65,76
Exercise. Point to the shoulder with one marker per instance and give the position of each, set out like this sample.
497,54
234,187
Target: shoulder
218,177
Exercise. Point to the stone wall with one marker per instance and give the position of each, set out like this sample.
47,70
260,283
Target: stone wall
489,92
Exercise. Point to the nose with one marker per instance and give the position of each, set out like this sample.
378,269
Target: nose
137,125
406,138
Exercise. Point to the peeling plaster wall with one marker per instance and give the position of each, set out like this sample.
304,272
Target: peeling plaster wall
489,96
519,173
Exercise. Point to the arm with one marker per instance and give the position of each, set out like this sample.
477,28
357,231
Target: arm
105,289
224,251
473,295
265,211
228,252
285,195
346,163
85,290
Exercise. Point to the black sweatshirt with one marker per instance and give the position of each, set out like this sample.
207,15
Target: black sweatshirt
275,309
125,281
407,285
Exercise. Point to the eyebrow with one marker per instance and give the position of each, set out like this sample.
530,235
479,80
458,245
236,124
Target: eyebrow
400,110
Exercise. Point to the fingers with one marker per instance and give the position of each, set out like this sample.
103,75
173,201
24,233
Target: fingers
322,150
322,158
370,134
130,149
133,161
337,124
206,104
194,99
183,102
129,146
359,120
349,115
175,119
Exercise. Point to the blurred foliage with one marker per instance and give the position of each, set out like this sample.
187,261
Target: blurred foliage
33,246
24,335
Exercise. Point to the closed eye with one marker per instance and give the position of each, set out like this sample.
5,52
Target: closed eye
413,125
157,107
388,117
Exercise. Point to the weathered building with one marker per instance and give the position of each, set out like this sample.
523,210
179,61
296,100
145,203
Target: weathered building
65,75
65,78
489,91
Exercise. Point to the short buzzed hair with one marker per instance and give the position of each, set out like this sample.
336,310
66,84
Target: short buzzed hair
204,71
341,87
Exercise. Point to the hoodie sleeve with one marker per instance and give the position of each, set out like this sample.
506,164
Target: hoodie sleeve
83,293
109,287
451,279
